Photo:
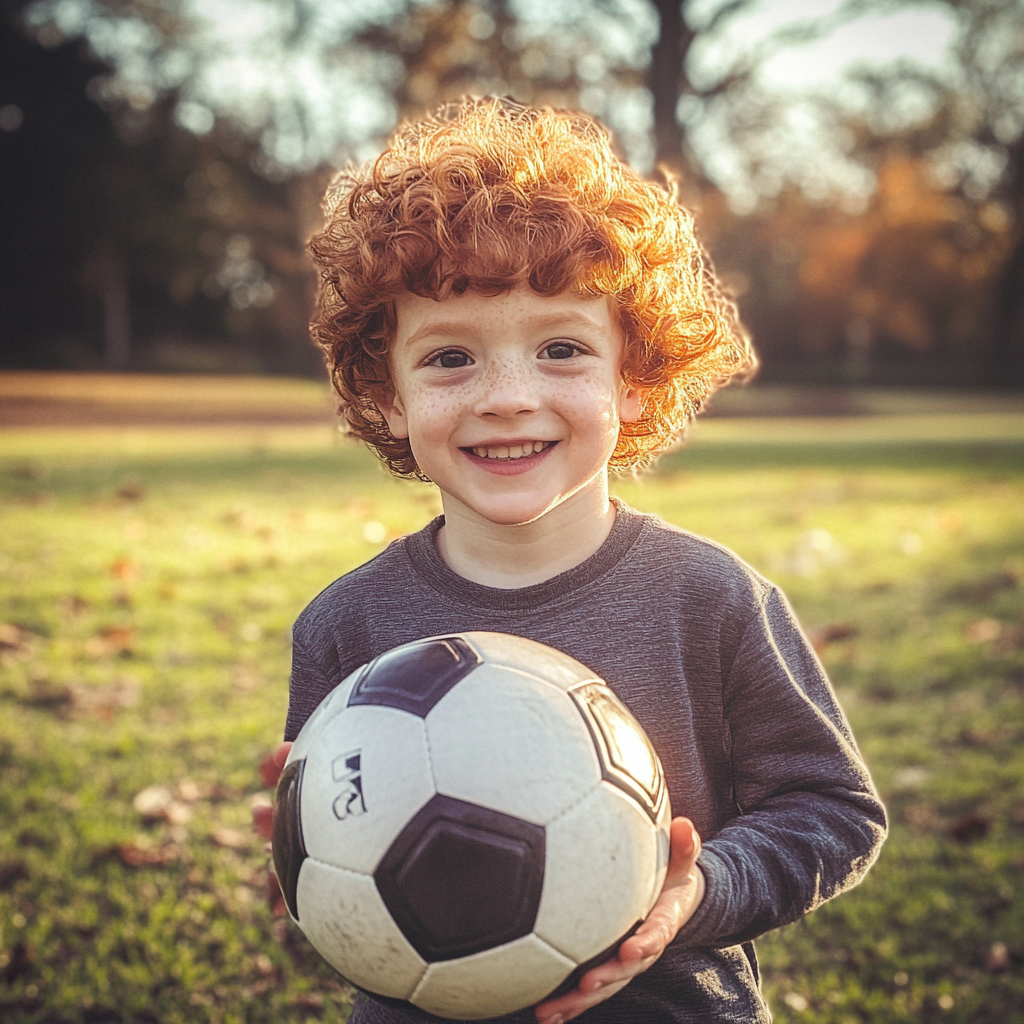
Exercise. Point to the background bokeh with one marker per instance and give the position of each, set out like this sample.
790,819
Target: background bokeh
173,489
855,166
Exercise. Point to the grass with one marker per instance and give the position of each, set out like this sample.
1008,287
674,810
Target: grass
148,580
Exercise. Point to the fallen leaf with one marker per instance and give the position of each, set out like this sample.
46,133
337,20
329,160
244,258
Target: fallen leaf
795,1001
11,637
131,489
138,855
230,838
12,871
911,777
245,679
308,1000
125,569
20,963
29,837
997,958
110,640
46,695
970,827
189,791
177,813
153,801
30,471
982,631
980,591
74,604
106,701
824,635
922,817
264,965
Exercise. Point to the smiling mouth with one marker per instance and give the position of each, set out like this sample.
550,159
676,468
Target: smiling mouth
510,452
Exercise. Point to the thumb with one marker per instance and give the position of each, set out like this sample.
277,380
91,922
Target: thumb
684,850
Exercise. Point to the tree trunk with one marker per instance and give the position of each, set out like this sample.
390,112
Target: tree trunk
1008,319
116,314
1008,322
666,80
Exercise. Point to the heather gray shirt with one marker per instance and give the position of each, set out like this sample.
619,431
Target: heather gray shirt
709,658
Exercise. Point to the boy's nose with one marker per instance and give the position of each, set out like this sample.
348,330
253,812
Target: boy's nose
507,390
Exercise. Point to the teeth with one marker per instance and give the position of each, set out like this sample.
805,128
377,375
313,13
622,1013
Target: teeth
515,451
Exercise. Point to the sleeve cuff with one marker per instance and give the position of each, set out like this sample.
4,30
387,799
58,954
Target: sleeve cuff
704,926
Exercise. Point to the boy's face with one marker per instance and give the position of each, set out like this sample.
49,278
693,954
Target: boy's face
511,403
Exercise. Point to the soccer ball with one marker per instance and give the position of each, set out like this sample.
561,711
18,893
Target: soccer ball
468,823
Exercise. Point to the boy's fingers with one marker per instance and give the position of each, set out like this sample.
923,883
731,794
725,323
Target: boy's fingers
574,1003
275,898
263,821
273,764
270,771
597,985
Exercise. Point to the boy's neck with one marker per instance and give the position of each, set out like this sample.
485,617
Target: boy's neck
511,557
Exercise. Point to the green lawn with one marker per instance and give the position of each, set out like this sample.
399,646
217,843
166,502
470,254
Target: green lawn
148,580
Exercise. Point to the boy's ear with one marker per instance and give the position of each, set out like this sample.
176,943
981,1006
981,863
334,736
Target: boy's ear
631,404
394,413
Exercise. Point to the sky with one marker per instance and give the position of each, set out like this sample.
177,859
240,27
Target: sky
233,64
803,143
920,33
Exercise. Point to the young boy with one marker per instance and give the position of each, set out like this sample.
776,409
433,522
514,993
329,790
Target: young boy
510,312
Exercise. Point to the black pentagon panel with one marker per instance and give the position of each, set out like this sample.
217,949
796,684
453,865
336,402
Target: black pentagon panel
627,758
461,878
289,849
415,676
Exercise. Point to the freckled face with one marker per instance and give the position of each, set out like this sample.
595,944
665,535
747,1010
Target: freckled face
511,403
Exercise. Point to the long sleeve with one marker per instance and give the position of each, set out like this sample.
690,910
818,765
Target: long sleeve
811,823
307,687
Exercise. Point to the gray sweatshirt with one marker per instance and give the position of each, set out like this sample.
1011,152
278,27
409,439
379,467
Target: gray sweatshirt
709,658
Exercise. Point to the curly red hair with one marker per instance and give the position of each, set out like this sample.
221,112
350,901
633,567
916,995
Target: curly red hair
487,194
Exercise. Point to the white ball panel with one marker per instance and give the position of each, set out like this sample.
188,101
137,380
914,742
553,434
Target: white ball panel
494,982
664,848
366,776
585,907
331,705
517,652
342,914
509,742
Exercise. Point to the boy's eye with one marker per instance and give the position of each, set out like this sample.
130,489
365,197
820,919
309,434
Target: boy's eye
453,359
560,350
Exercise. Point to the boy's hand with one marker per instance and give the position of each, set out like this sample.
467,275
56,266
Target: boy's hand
270,771
680,896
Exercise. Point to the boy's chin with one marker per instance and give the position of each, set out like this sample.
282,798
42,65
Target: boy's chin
503,512
519,510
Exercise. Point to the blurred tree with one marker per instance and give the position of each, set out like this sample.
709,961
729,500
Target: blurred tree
134,242
922,266
897,292
51,206
232,108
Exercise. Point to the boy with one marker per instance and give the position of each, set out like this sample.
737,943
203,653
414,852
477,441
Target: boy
509,312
